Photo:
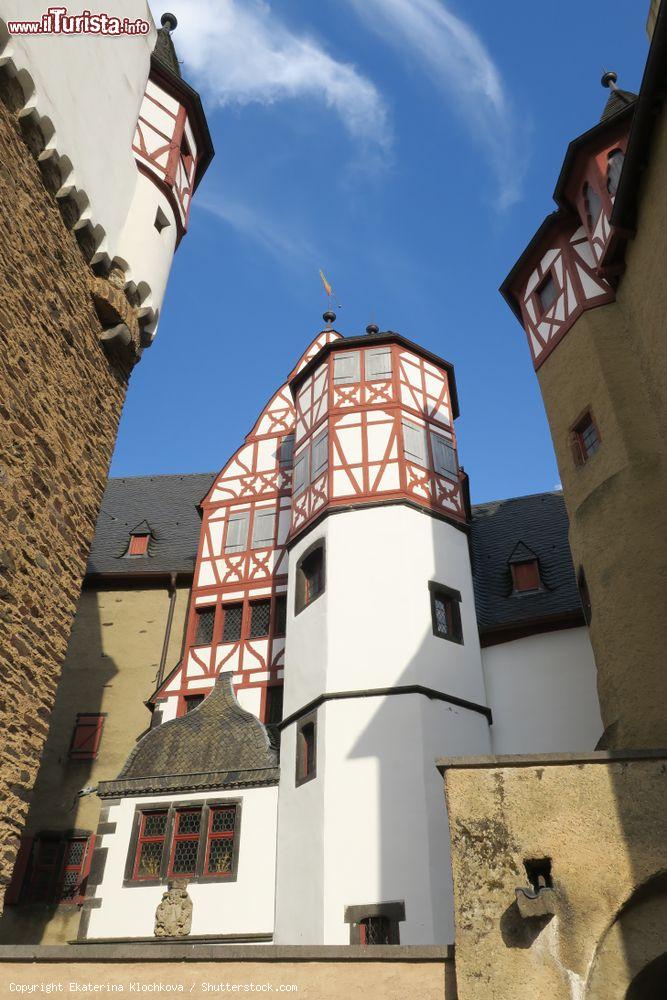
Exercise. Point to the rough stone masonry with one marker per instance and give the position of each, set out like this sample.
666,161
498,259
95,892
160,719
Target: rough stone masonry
61,397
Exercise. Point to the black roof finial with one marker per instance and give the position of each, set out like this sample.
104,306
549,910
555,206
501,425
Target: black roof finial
372,329
329,317
169,21
609,79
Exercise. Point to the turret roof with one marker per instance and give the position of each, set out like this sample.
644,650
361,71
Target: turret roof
218,744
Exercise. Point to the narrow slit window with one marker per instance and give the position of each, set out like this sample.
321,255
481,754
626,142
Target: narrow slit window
446,613
280,615
150,845
305,752
320,454
309,578
274,705
220,841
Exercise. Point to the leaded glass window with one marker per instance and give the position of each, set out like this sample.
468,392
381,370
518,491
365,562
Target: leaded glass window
232,622
260,619
205,622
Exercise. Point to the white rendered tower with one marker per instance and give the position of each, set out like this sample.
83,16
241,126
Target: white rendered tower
383,667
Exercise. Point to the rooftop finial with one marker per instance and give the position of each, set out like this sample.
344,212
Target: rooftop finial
372,329
329,317
168,21
609,79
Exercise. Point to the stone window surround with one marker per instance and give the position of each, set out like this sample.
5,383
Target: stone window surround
300,595
171,808
393,911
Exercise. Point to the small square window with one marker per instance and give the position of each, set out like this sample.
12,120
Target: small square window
205,620
446,613
306,751
309,578
232,622
585,438
547,292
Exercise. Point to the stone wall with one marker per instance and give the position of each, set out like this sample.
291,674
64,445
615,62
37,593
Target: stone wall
111,667
613,362
390,972
61,396
601,820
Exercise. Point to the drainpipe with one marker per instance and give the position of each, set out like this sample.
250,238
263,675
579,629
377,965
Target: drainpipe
167,631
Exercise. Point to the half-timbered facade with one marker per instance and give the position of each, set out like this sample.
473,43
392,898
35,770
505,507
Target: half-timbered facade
338,636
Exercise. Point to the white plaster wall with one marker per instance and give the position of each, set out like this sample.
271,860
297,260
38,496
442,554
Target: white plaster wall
245,906
372,626
300,862
90,89
542,690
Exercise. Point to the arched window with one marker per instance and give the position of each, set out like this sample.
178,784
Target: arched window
593,205
614,167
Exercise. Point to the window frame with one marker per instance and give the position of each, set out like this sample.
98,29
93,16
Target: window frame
73,753
453,597
225,610
57,869
516,589
138,545
301,599
548,276
182,838
252,604
302,775
393,912
199,611
171,808
580,451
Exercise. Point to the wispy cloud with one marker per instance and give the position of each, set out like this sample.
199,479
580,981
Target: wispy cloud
458,62
240,51
283,242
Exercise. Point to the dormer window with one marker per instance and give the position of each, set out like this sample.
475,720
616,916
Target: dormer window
547,293
525,569
526,576
593,206
614,167
139,539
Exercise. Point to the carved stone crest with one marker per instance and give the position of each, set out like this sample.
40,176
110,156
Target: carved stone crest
173,916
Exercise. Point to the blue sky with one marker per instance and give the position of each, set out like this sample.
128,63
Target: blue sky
407,147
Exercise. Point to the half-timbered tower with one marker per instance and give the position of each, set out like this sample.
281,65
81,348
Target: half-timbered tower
583,290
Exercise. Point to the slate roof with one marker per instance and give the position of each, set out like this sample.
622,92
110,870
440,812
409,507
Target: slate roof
618,100
169,504
165,53
218,744
502,528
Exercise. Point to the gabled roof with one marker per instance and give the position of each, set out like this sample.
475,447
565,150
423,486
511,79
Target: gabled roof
521,553
167,505
216,745
537,525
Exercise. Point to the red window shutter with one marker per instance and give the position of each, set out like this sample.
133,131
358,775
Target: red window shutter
13,892
86,736
138,545
526,575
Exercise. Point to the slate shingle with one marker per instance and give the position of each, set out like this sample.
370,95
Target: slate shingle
539,522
